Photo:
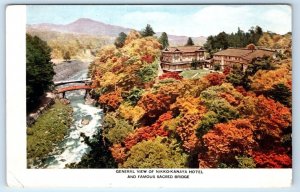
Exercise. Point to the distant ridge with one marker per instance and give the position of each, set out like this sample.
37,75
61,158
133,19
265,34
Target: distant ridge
97,28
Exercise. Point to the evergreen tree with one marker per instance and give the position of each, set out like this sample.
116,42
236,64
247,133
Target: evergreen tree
148,31
120,40
189,42
163,39
39,70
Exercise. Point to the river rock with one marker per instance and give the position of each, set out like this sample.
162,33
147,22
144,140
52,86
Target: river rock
85,121
65,101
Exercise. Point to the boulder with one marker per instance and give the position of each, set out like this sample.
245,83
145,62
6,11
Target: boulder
85,121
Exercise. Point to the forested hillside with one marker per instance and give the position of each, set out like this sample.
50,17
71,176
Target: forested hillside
234,119
275,41
77,45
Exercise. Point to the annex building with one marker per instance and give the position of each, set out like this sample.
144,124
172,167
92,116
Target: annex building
239,56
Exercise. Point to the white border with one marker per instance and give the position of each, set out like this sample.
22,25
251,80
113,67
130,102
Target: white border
19,176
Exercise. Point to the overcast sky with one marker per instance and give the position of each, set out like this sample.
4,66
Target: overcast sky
189,20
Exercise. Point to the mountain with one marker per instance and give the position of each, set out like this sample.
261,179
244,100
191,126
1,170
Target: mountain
83,26
97,28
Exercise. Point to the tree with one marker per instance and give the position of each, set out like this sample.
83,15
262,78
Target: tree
222,40
157,153
120,40
215,78
194,64
163,39
148,31
251,47
280,93
189,42
228,140
67,56
39,70
149,132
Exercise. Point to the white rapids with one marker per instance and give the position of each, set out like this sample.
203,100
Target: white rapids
73,147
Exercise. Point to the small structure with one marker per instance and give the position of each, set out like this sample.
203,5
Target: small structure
181,58
62,90
239,56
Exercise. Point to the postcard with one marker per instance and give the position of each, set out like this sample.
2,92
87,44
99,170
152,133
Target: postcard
149,95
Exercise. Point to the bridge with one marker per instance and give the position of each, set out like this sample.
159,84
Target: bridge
63,90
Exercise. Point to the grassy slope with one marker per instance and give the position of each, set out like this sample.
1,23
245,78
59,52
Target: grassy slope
48,130
194,74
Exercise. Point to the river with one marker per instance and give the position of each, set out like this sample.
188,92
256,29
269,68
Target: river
73,147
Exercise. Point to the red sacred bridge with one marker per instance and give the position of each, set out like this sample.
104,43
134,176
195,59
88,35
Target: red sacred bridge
73,88
63,90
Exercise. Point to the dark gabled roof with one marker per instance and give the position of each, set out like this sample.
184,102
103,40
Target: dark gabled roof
247,54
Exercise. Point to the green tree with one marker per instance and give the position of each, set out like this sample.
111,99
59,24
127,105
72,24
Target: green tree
116,129
157,153
280,93
67,56
39,70
163,39
120,40
189,42
194,64
148,31
222,40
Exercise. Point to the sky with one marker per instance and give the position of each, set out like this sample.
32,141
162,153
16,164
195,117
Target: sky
188,20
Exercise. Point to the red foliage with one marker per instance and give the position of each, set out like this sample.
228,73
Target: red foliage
172,75
227,140
272,159
226,70
149,132
241,90
112,99
117,69
215,78
155,105
147,58
271,117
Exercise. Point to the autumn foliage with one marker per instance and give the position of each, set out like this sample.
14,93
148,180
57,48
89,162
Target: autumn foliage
155,104
272,159
172,75
111,100
227,140
215,78
206,122
148,132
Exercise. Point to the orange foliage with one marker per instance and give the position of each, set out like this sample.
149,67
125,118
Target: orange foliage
264,80
230,98
227,140
149,132
191,110
155,105
133,35
118,153
112,99
271,117
186,129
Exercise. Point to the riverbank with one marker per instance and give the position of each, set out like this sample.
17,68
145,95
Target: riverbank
65,70
48,131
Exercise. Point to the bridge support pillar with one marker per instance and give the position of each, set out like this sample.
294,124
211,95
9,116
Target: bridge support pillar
86,93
